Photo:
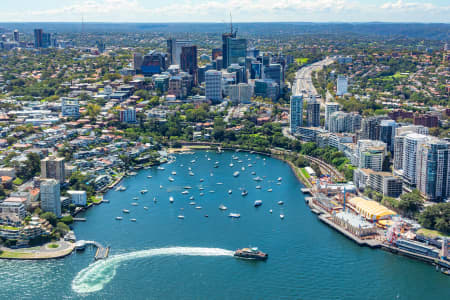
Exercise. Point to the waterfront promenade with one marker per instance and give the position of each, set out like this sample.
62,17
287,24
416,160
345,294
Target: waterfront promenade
47,251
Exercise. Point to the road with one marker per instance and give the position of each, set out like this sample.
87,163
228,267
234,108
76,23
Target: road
303,81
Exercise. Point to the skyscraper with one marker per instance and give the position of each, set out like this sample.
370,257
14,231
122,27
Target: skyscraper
174,48
411,144
53,167
38,38
342,84
330,107
275,73
16,35
50,196
387,133
400,133
296,113
234,50
188,60
433,157
213,85
313,112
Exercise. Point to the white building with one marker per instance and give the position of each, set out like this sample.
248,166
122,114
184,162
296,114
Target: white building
240,93
12,212
296,113
370,154
342,85
330,108
411,145
400,134
213,85
70,107
78,197
50,196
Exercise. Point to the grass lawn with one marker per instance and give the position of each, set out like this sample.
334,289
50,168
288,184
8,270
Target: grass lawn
306,174
8,227
431,233
302,61
96,199
398,75
7,254
53,246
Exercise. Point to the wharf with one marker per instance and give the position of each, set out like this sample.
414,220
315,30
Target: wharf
79,219
417,256
372,243
101,253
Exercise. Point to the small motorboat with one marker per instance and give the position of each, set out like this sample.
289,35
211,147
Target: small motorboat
185,192
258,187
180,217
160,168
234,215
244,193
231,165
257,178
191,173
160,186
198,207
174,173
201,179
201,188
133,220
230,191
135,198
253,173
144,191
236,174
154,199
270,211
279,179
222,207
119,218
188,187
269,190
126,211
258,203
201,194
149,176
191,198
281,216
219,183
280,202
171,179
145,207
192,203
134,204
171,199
206,216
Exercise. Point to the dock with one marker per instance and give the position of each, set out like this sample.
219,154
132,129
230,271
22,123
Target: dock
79,219
101,253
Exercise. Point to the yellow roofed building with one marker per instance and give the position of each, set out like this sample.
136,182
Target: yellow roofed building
371,210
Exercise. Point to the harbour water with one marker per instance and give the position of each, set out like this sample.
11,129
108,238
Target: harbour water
163,257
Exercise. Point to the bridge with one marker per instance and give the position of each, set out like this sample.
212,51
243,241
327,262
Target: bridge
101,253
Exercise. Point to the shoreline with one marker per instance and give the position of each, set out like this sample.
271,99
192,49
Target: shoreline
37,254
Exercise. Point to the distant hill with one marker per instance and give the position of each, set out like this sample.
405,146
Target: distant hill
404,30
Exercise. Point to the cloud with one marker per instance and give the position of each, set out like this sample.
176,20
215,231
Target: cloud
408,6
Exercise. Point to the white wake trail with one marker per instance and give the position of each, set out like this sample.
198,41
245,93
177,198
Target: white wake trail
94,277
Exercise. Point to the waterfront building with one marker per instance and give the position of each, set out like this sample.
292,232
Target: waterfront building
433,168
78,197
53,167
70,107
127,115
296,113
50,196
213,85
313,112
330,108
12,213
342,85
371,210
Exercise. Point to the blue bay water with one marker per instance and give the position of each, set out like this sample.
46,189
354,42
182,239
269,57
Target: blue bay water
162,257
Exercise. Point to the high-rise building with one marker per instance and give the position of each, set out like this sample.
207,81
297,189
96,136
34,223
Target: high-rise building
342,85
240,93
53,167
215,53
78,197
127,115
153,63
313,112
433,168
411,144
370,127
275,73
387,133
38,43
234,50
296,113
344,122
50,196
330,107
400,133
174,48
46,40
381,182
188,59
370,154
16,35
138,59
213,85
255,70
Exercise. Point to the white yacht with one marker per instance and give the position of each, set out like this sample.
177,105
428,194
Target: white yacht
280,202
144,191
236,174
171,179
119,218
126,211
222,207
234,215
180,217
185,192
281,216
171,199
174,173
230,191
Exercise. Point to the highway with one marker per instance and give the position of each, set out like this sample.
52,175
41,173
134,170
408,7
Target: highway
303,81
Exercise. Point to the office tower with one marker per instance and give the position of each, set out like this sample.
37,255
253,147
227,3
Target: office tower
213,85
275,73
411,144
101,46
188,59
46,40
174,48
50,196
240,93
387,133
342,85
313,112
330,107
127,115
296,113
215,53
16,36
267,88
38,38
138,60
202,72
433,169
253,52
255,70
234,50
53,167
239,71
153,63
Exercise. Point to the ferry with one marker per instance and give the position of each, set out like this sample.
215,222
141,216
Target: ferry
251,253
119,218
234,216
244,193
171,199
222,207
126,211
258,203
236,174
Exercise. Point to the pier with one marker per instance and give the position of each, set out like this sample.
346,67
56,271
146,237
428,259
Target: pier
101,253
79,219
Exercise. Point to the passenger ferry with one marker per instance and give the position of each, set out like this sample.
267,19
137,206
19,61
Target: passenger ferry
251,253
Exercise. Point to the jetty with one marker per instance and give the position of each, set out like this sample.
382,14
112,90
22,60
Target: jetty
101,253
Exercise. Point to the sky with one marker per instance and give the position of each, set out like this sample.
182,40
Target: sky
218,10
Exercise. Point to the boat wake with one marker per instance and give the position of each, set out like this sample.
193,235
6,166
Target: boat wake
94,277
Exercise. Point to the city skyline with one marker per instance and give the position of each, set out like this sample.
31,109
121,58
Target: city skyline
435,11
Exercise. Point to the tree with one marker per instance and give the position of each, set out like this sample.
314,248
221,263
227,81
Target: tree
410,203
62,228
67,220
50,217
93,110
436,217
